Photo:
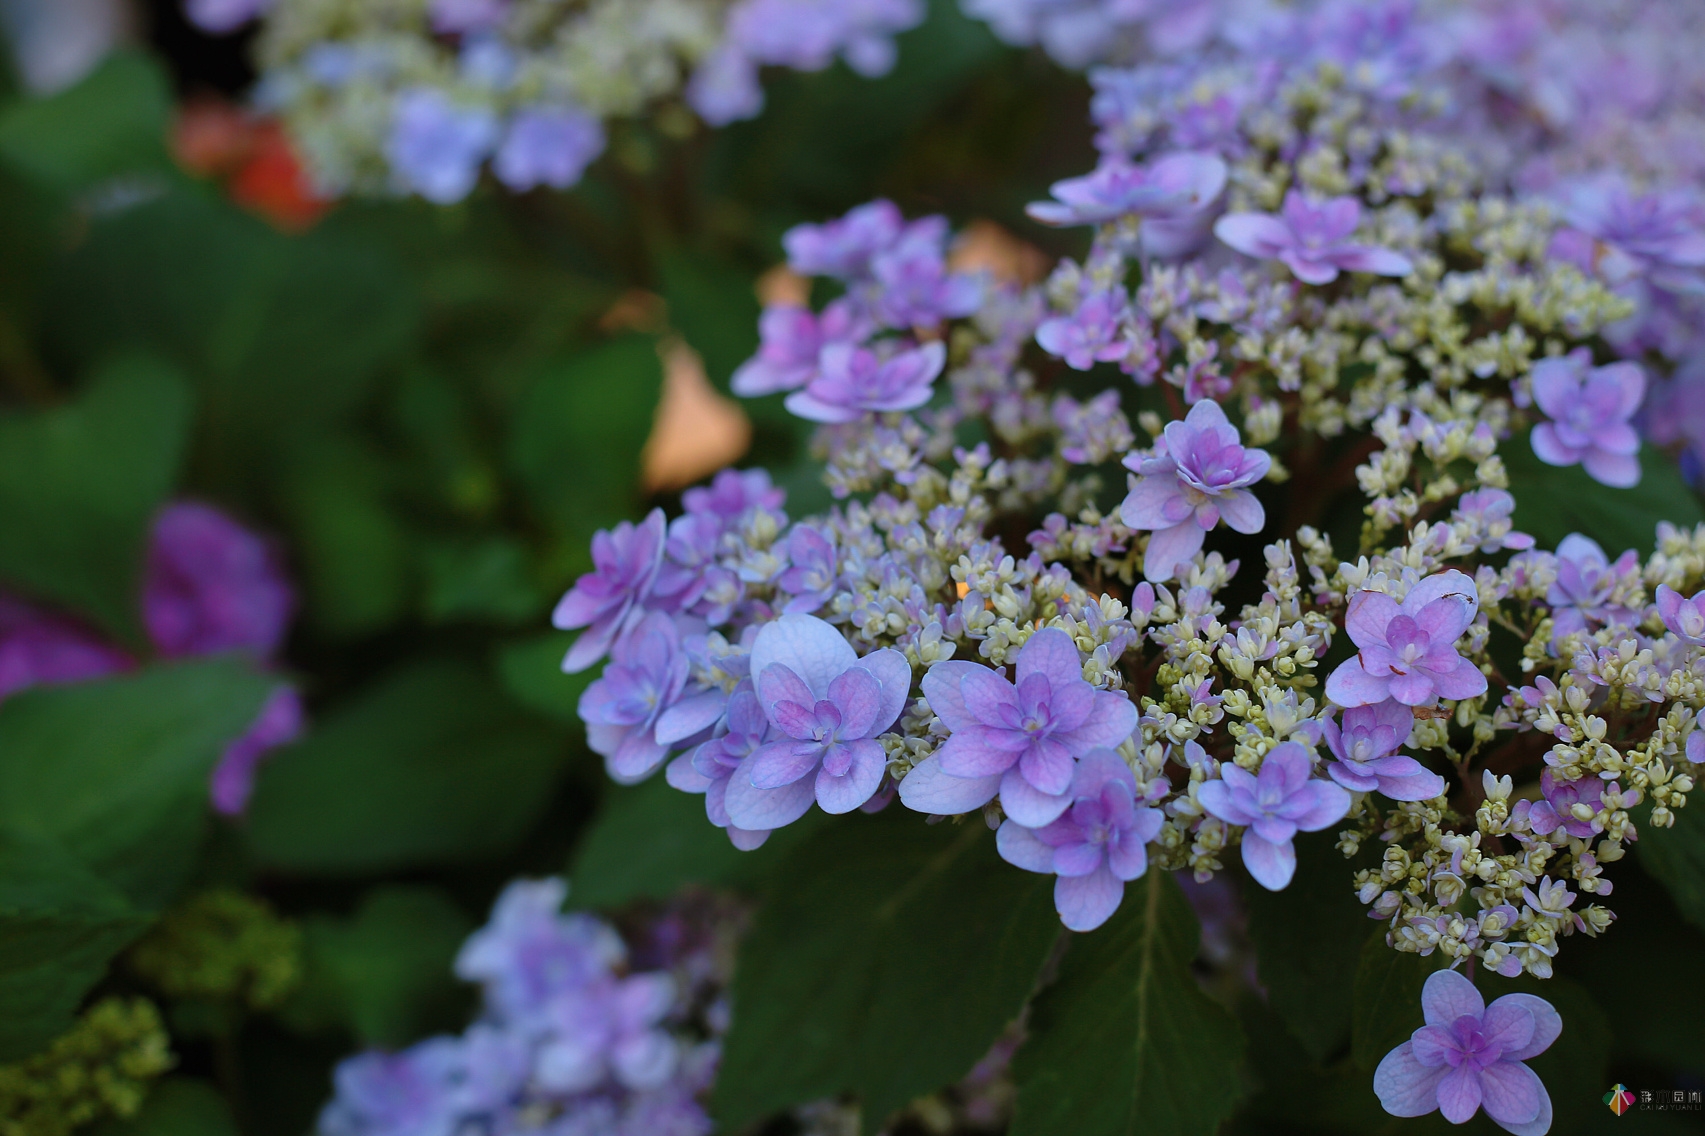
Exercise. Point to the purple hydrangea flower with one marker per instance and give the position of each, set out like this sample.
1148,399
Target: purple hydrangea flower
1274,805
608,1029
1366,746
1095,848
724,86
1470,1054
855,381
1311,237
1407,651
811,579
1560,799
459,17
1580,595
412,1093
279,723
1171,186
829,705
217,17
1685,617
843,248
1196,477
435,147
623,707
790,340
608,600
709,766
910,285
733,491
1093,333
547,146
211,586
1591,409
529,952
1622,236
1018,739
40,648
1491,510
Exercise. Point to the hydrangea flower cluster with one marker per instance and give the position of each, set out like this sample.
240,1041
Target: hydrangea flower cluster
579,1031
420,98
209,586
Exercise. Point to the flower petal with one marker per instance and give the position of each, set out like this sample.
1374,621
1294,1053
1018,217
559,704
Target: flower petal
1459,1094
927,789
941,691
1272,865
858,784
1170,548
1405,1086
752,808
1351,685
779,763
1547,1025
1086,902
1448,996
808,646
1028,805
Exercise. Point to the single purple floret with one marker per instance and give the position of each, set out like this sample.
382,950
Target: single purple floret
1408,651
1580,596
1491,510
622,708
1098,845
459,17
843,248
724,86
708,767
1470,1054
41,648
1366,745
1312,238
609,600
733,491
1169,187
910,284
1591,411
1196,477
1274,804
829,706
1684,616
211,585
855,381
1621,236
1560,799
548,145
790,339
412,1093
814,573
1093,333
1017,739
435,147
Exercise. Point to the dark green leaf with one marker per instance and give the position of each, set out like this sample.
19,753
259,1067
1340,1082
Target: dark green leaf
1307,938
1125,1042
531,670
889,956
79,486
1387,998
486,579
714,305
1676,856
117,770
578,434
112,123
1551,503
177,1106
384,973
431,765
59,926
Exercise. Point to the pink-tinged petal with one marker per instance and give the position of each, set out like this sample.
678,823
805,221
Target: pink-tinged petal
1619,471
1350,685
890,668
1259,235
1112,719
1448,996
752,808
1433,1045
779,763
1027,804
1020,847
690,715
681,775
806,645
1413,689
1170,548
1077,858
1309,270
636,758
778,683
1052,654
1217,798
1270,864
1547,1025
1449,584
1353,778
1617,438
845,793
1242,512
941,691
1462,680
970,754
1541,1122
1459,1094
857,694
1669,604
1556,385
1379,261
1370,613
1098,770
1550,449
1630,381
991,699
592,645
747,839
1508,1025
1422,785
1405,1086
1153,502
1129,859
1272,829
1207,415
1086,902
1047,765
927,789
1445,619
1321,804
808,406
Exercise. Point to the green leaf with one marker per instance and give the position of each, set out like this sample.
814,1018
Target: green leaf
578,433
1387,1006
117,770
177,1106
1676,856
79,486
430,766
1551,503
384,973
486,579
112,123
531,670
59,926
1125,1041
714,305
1307,938
889,957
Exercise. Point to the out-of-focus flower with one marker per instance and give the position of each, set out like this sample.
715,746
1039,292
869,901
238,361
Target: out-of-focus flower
279,723
549,146
855,381
435,147
622,707
1591,411
1169,187
608,600
1311,238
212,586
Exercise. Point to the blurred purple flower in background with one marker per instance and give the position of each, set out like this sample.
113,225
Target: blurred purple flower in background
1092,333
213,586
218,17
1311,237
435,147
1169,187
854,381
280,722
38,647
548,146
1592,411
1683,615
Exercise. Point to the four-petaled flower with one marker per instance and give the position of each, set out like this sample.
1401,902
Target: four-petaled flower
1682,615
1366,746
853,381
1197,476
607,601
1470,1054
828,705
1095,848
646,676
1274,805
1312,238
1170,186
1590,409
1020,740
1408,651
1580,596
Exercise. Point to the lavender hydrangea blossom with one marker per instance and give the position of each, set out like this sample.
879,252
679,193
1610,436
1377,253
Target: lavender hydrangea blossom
1092,333
547,145
1017,739
435,147
1684,616
1311,238
710,765
1197,476
213,586
623,707
1170,187
1095,848
855,381
609,600
1470,1054
1581,596
1408,651
790,340
1275,804
1366,746
1591,411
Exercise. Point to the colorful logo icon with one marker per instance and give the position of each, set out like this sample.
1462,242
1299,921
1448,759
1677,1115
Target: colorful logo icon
1619,1099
